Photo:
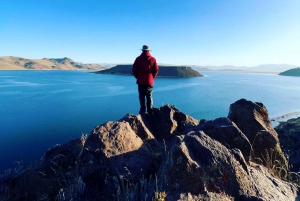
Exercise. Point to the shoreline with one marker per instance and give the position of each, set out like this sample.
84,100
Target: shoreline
216,71
283,118
241,71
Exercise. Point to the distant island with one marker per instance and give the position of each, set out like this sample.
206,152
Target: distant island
19,63
164,71
291,72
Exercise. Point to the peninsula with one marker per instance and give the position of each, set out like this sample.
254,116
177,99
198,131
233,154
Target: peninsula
291,72
164,71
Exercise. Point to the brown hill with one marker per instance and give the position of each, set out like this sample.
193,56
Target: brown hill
19,63
164,71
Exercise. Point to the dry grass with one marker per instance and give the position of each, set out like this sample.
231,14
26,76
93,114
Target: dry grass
275,166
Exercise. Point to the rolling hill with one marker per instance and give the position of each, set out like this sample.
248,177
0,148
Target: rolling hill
19,63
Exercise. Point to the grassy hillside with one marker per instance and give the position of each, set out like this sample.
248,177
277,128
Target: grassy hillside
291,72
164,71
18,63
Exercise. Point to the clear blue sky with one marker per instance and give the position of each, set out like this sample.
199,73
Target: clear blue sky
199,32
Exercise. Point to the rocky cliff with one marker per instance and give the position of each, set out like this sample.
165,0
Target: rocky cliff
18,63
164,71
238,157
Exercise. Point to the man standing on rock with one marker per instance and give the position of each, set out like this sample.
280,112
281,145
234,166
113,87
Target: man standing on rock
145,69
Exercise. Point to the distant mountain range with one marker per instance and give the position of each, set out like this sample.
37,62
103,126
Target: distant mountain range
274,68
19,63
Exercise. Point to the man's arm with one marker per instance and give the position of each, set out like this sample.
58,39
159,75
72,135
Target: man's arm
154,69
135,70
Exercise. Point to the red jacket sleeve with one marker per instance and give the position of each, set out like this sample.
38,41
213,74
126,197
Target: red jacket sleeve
135,70
154,69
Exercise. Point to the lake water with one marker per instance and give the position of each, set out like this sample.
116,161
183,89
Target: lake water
39,109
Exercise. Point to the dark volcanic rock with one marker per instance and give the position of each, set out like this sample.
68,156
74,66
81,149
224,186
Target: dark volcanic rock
112,152
120,160
164,123
119,146
60,155
289,136
140,126
226,132
196,161
252,118
168,120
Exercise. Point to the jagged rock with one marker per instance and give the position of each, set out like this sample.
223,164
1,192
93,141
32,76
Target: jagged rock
120,160
168,121
252,118
61,156
196,161
163,123
289,136
226,132
140,126
113,139
117,146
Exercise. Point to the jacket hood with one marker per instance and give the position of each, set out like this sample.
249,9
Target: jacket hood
146,54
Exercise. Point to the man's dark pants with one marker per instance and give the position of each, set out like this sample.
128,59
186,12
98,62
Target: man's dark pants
145,91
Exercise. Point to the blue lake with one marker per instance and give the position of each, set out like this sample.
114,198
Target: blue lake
39,109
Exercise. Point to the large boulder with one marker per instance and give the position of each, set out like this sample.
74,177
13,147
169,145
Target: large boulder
139,126
253,120
165,122
196,163
114,154
168,120
226,132
60,156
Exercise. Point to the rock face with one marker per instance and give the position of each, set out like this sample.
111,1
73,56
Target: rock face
252,119
164,71
165,151
226,132
289,136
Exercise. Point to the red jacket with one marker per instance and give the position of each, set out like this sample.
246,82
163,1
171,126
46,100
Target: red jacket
145,68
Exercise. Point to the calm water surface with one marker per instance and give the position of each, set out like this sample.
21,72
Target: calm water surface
39,109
